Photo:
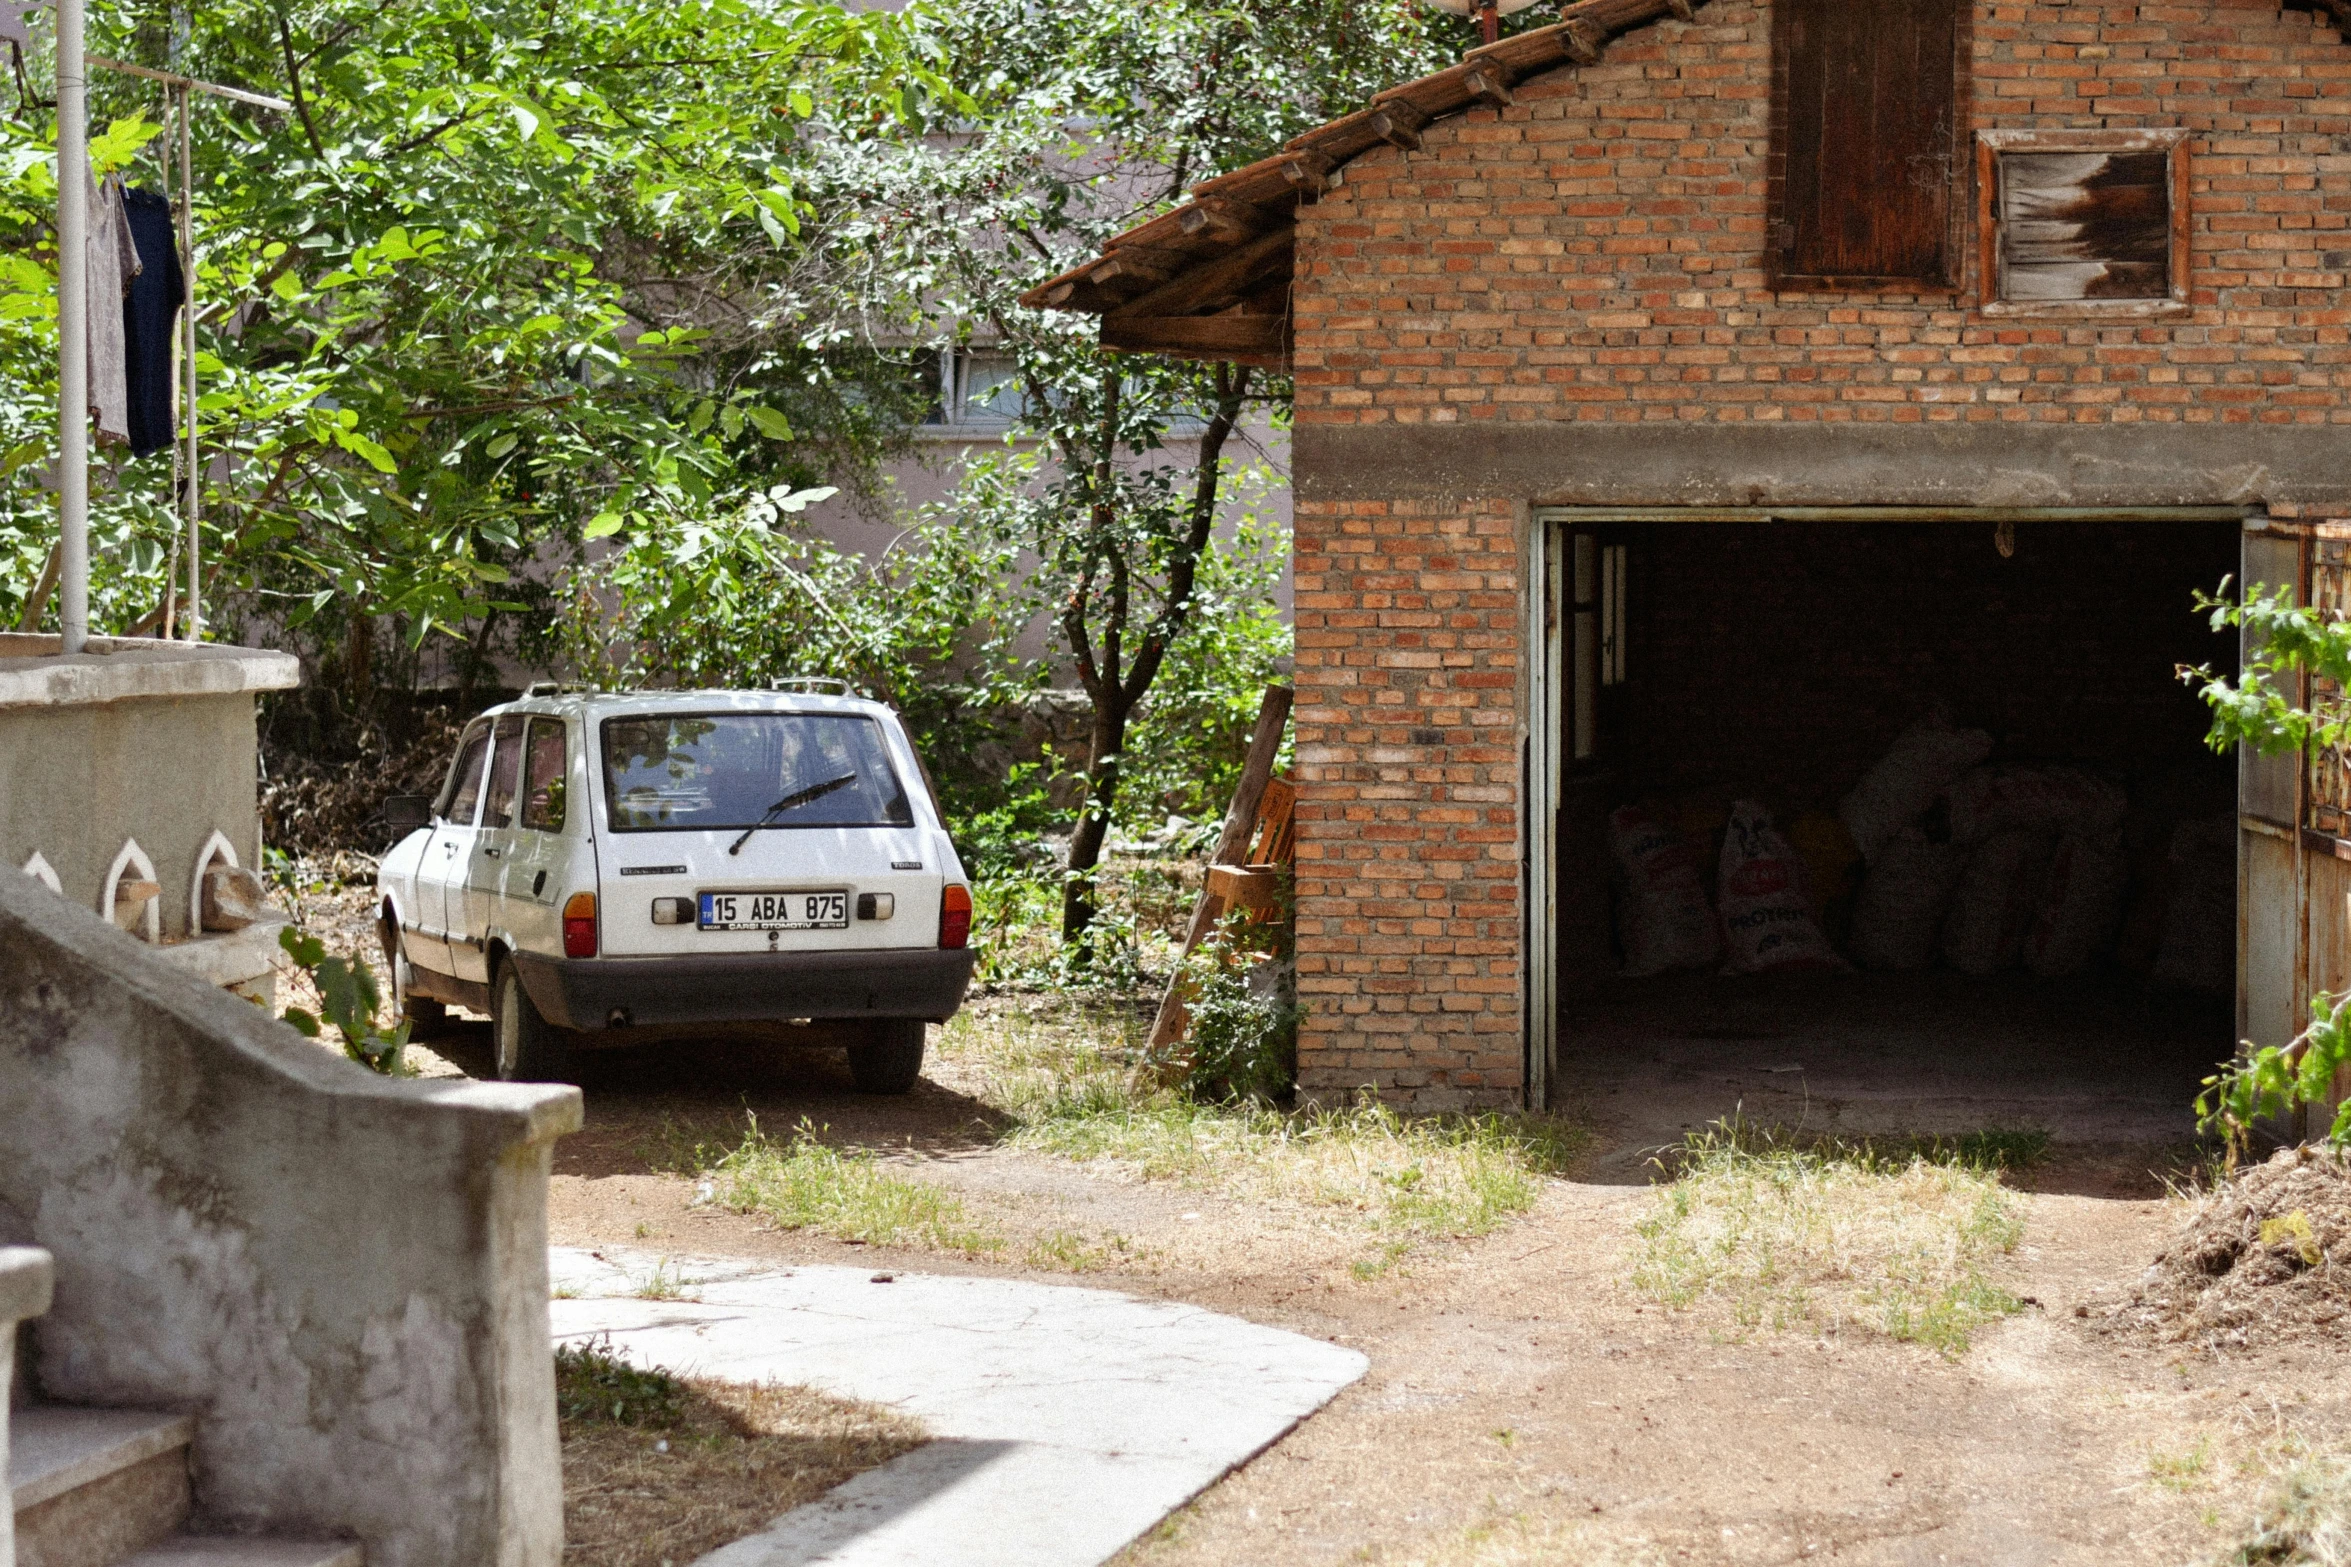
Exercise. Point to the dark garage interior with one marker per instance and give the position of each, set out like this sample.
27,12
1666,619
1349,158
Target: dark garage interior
1893,826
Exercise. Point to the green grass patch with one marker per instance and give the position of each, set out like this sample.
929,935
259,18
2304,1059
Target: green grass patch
1064,1078
1899,1238
799,1183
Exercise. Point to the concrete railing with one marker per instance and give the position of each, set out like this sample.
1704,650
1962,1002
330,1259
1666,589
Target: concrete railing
342,1277
25,1278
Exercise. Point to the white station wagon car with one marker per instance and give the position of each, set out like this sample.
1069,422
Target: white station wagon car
599,864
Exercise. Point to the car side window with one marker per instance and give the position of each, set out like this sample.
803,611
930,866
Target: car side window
464,789
505,772
544,774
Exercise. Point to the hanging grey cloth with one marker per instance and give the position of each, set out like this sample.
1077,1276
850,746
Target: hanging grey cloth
114,261
149,313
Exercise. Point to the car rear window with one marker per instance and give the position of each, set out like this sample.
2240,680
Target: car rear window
731,770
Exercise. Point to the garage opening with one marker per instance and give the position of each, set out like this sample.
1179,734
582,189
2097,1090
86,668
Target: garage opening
1887,825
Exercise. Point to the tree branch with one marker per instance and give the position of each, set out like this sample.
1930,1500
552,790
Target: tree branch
294,79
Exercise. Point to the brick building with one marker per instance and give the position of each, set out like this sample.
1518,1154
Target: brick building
1691,393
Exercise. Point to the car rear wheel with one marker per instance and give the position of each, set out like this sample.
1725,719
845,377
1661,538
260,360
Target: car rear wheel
526,1048
889,1058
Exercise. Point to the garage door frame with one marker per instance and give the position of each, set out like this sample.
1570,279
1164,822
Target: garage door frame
1545,769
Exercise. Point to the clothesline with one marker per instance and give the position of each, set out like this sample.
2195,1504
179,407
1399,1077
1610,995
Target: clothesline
258,100
191,473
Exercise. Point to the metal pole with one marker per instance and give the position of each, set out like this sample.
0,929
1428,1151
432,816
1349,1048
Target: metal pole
73,336
188,359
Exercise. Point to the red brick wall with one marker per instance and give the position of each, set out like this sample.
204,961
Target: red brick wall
1594,253
1407,738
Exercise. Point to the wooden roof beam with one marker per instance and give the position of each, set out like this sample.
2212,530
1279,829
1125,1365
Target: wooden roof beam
1487,84
1134,264
1398,122
1311,173
1250,340
1222,218
1218,283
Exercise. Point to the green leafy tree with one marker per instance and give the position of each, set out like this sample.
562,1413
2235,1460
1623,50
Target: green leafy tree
1086,120
507,276
930,625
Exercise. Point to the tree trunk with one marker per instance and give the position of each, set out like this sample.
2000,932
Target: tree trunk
1093,826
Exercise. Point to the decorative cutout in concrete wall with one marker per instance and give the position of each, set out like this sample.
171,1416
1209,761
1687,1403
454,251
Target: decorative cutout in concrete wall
132,872
40,870
216,847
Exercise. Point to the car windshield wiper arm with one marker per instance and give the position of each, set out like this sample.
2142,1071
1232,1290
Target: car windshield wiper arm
796,797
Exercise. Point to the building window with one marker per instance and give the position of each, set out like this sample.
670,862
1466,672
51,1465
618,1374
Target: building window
2083,223
1866,144
977,388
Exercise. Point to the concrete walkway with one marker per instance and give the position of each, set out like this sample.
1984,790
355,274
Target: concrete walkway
1068,1421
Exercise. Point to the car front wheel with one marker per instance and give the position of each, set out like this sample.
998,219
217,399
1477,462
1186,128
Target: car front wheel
526,1047
424,1015
889,1058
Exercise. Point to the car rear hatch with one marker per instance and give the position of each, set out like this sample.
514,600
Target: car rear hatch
761,832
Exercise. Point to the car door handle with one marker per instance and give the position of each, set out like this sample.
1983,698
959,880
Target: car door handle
448,848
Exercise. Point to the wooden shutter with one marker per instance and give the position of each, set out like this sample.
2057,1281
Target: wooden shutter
1867,142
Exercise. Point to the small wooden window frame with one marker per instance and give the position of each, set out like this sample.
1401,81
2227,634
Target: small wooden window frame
2171,141
1779,223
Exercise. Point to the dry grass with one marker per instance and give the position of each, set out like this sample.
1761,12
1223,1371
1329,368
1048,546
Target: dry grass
1525,1541
659,1470
1828,1236
2306,1518
1064,1078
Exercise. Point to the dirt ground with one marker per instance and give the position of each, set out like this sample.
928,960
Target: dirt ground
1524,1403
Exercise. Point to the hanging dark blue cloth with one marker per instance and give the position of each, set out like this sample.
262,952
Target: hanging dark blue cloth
149,311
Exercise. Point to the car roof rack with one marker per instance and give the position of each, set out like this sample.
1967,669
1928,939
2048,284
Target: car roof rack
813,684
552,688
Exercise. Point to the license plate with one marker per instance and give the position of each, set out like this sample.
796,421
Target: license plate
775,910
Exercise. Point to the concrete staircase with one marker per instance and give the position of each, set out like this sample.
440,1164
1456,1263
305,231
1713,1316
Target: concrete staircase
105,1487
109,1488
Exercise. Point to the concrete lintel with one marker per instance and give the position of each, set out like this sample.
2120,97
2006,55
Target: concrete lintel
2040,466
113,669
26,1277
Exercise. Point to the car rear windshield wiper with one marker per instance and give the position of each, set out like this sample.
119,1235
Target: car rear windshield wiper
796,797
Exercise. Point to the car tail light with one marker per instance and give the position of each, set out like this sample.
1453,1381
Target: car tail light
955,917
579,925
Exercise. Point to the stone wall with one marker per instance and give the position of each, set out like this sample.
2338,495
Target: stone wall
342,1277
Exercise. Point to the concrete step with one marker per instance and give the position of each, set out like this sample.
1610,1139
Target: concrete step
189,1550
92,1487
109,1488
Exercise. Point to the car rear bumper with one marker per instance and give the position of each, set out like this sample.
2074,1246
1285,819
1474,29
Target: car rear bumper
747,987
